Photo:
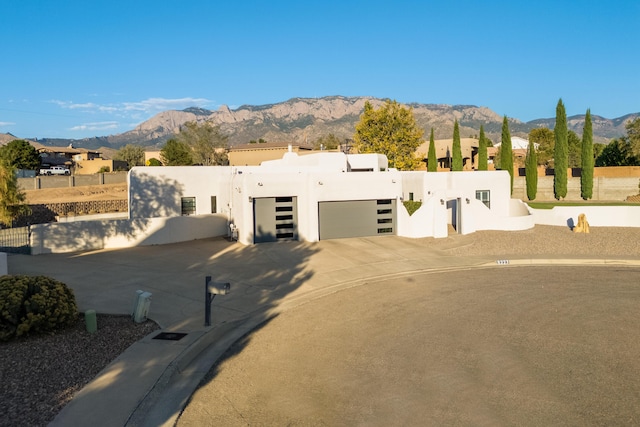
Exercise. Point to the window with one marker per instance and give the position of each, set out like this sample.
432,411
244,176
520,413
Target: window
214,204
188,205
484,196
385,230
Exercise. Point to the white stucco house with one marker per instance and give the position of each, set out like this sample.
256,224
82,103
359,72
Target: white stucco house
323,196
312,197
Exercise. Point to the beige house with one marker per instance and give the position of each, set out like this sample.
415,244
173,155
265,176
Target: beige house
151,154
444,153
81,161
254,154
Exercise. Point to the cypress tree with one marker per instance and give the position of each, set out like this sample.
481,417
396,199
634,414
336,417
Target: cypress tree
456,164
586,175
561,153
506,151
432,160
531,171
482,151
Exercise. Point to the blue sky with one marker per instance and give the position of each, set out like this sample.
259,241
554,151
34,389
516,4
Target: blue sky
75,69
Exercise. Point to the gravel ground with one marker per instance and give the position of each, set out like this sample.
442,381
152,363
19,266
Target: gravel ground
547,241
40,374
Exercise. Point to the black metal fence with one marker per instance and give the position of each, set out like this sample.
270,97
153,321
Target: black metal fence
16,240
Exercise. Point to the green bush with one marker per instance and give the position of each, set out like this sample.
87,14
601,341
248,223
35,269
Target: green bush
34,304
412,206
104,169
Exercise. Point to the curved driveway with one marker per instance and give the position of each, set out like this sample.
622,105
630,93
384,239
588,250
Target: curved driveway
487,346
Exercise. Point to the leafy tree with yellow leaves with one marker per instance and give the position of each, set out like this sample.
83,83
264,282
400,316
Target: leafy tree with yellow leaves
390,130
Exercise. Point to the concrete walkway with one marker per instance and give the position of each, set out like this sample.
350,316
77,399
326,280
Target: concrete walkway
152,381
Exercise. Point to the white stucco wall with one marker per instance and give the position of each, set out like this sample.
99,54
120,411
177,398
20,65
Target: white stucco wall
157,191
113,234
597,216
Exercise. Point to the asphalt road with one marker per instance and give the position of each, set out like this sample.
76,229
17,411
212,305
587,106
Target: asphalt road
485,346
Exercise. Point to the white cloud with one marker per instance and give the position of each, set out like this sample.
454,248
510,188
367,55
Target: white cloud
95,126
153,105
6,124
148,106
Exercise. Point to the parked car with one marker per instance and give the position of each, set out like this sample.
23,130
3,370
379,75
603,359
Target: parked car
55,170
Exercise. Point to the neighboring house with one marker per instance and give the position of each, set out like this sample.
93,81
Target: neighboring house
444,153
256,153
152,154
80,160
325,195
519,147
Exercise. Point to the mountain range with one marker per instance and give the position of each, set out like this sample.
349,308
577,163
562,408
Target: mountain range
306,119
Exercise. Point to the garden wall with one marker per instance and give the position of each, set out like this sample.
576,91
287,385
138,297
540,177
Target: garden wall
604,188
44,182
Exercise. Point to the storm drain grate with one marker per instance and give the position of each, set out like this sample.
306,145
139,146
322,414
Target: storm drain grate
170,336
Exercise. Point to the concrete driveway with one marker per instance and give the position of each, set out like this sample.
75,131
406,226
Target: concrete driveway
488,346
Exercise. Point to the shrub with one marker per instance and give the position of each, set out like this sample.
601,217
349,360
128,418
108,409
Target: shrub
104,169
34,304
412,206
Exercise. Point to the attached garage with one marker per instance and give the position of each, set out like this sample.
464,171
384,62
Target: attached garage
275,219
356,218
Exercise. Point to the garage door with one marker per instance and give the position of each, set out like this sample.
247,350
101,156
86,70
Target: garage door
275,219
357,218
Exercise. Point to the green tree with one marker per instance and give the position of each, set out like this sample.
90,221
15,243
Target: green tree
12,199
456,162
506,151
531,171
132,154
329,142
176,153
561,153
574,144
154,162
482,151
630,143
20,154
432,159
615,153
586,173
545,141
633,136
597,150
209,146
390,130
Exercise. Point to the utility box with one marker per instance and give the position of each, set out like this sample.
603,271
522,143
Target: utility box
4,265
141,305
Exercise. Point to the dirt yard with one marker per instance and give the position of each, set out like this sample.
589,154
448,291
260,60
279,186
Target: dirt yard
77,194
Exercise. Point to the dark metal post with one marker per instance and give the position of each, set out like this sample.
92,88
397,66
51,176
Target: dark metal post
208,299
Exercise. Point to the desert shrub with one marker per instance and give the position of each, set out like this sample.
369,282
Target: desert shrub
154,162
104,169
34,304
412,206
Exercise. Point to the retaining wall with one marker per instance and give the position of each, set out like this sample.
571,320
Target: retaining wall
604,188
44,182
47,212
